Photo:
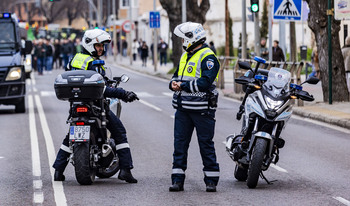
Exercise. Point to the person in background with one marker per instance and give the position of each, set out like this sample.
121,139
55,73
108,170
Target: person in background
49,56
263,50
212,47
144,53
77,46
134,47
315,64
66,51
124,47
163,49
39,56
57,60
277,52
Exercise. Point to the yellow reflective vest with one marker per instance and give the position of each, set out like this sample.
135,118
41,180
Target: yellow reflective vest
190,70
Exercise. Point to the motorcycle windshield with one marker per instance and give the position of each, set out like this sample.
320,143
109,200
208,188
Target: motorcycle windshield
108,73
278,82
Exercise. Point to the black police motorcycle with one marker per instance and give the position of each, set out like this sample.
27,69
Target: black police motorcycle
266,108
94,152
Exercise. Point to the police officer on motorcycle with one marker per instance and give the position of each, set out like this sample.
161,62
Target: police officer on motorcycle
195,100
93,47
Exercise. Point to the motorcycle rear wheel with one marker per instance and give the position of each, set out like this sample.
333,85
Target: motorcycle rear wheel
256,162
84,173
241,174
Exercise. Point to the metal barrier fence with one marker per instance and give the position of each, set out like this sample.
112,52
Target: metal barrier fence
232,63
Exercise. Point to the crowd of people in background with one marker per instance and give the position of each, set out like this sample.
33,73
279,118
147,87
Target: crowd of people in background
140,49
51,54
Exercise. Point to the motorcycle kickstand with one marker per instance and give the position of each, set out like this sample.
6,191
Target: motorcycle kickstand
267,181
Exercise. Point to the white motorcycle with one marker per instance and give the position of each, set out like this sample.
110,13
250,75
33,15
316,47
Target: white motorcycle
266,108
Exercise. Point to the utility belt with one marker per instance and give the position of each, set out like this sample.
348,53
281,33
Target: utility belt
197,101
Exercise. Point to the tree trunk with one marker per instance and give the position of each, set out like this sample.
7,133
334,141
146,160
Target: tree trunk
318,24
195,12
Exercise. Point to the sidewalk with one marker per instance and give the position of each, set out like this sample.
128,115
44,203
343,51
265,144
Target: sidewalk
336,114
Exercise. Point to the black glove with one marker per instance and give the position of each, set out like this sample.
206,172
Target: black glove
130,96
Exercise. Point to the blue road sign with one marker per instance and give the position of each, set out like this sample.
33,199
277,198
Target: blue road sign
289,10
154,19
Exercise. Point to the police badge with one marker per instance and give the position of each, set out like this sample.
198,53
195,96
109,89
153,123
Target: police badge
189,69
210,64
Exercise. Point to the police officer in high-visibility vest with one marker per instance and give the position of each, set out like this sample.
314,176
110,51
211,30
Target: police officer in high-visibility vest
195,100
93,47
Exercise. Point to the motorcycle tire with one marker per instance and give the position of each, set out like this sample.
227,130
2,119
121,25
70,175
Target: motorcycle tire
84,173
241,174
256,162
110,171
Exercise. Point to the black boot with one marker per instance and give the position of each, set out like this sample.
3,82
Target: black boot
176,187
59,176
125,174
211,187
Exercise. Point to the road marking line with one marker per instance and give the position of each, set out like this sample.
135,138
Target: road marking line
342,200
172,116
37,184
169,94
59,195
150,105
47,93
36,167
35,89
38,197
144,94
278,168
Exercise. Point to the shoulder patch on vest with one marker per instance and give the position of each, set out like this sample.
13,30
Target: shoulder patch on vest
210,64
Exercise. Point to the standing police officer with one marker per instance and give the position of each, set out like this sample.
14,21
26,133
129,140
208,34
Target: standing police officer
195,101
93,47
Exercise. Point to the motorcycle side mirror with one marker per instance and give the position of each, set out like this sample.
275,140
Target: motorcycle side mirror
312,80
124,78
244,65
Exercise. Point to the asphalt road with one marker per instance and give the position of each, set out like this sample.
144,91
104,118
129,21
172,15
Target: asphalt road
313,168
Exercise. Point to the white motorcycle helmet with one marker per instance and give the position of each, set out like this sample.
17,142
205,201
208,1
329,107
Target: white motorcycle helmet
192,33
92,37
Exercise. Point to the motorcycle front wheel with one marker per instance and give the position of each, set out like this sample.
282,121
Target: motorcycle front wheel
256,162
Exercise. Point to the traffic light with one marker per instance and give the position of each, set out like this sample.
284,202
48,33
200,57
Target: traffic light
254,5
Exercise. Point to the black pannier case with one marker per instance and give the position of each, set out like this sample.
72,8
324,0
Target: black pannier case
81,85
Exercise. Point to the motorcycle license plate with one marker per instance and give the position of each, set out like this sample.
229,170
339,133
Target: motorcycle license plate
79,133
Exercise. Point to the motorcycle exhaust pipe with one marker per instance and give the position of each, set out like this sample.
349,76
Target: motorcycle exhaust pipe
106,150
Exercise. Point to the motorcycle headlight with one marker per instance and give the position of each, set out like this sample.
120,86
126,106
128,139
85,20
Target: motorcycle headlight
15,73
272,104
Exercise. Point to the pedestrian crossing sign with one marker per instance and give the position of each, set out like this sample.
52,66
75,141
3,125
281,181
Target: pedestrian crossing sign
288,10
